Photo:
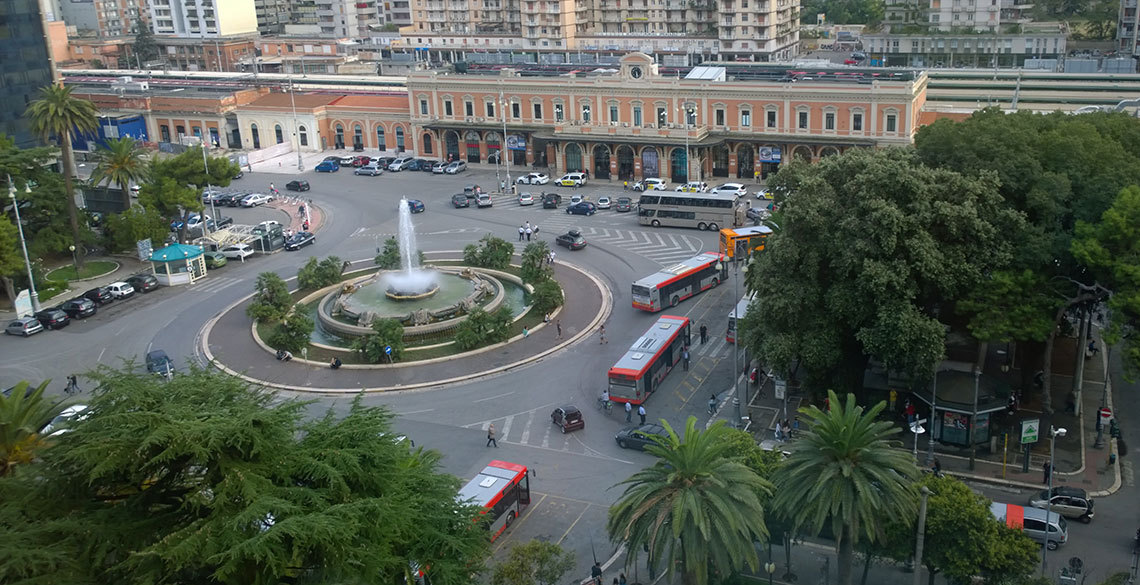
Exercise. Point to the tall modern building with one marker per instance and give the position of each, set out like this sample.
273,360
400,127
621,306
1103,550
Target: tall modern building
26,66
1127,27
203,18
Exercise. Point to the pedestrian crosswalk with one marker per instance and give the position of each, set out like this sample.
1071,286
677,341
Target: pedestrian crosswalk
535,429
213,284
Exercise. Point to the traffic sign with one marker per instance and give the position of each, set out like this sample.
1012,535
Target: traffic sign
1030,430
388,349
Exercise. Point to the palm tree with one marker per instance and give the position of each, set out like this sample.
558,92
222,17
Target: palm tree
23,413
696,509
120,163
58,113
843,473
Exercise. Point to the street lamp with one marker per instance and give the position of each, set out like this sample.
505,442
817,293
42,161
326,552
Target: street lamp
1054,432
503,160
687,111
738,400
974,417
74,260
23,243
296,135
933,414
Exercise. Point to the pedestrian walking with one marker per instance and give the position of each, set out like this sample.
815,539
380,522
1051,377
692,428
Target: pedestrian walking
628,412
712,404
305,225
526,332
558,326
685,356
779,432
621,579
936,469
602,334
795,426
491,436
1048,469
596,573
536,230
552,257
529,232
625,185
522,231
704,334
72,385
641,412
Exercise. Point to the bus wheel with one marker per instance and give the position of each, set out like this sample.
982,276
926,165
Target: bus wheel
714,227
701,226
675,301
716,281
510,519
656,223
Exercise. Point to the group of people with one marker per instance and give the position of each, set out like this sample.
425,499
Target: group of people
526,230
786,431
596,575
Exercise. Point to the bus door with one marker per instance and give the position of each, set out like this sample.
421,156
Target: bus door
524,489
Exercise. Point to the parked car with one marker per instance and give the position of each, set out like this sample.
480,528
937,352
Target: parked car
471,190
455,167
398,164
551,201
53,318
369,169
24,326
737,189
194,221
416,206
384,161
693,187
121,290
328,166
267,226
239,175
346,160
300,240
440,167
255,199
428,166
230,199
99,295
157,362
651,184
214,260
61,422
460,200
582,208
757,214
238,251
572,239
604,202
359,161
211,195
78,308
533,179
483,200
640,436
573,180
298,185
576,199
411,165
623,204
334,158
567,418
1070,502
526,199
144,283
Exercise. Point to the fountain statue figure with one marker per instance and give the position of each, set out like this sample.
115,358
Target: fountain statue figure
412,282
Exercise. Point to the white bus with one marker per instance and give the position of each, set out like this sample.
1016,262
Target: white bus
735,316
704,211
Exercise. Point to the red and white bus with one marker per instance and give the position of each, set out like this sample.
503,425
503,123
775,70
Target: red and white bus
502,489
642,369
678,282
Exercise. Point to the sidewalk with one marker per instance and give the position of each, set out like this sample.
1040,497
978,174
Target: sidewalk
128,265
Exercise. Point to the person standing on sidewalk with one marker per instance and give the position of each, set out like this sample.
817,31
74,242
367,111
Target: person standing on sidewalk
1048,471
628,412
491,436
641,412
704,334
685,356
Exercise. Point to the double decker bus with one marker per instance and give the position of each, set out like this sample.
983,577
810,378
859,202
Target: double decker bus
502,489
704,211
678,282
738,312
641,370
743,241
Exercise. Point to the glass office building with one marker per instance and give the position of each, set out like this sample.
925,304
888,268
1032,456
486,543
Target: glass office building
24,66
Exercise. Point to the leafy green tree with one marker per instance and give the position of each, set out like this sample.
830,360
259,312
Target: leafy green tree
120,163
271,301
489,252
205,479
315,275
534,266
483,328
11,259
843,11
696,508
60,115
43,206
547,296
145,47
22,414
852,231
389,333
124,230
534,562
171,199
389,257
177,182
842,473
293,332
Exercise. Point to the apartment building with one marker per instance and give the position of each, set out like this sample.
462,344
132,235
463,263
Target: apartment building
102,18
1126,35
272,15
202,18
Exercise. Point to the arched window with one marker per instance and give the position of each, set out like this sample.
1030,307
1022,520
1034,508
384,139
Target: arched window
427,144
380,138
278,134
255,135
303,136
357,136
339,136
399,139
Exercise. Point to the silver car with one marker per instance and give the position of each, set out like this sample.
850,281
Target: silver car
24,326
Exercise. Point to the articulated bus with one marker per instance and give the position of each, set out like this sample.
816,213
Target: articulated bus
744,241
738,312
678,282
502,489
640,371
704,211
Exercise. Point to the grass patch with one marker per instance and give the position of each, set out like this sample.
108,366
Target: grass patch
90,270
51,291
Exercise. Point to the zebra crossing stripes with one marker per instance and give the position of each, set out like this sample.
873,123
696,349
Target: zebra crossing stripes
213,284
534,429
659,247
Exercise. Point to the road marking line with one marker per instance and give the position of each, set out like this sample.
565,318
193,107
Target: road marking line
494,397
546,438
526,428
572,525
507,426
415,412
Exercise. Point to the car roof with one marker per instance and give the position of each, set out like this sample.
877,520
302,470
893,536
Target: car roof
1064,490
156,354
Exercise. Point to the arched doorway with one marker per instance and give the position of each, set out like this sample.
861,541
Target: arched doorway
745,163
255,135
625,163
380,143
573,158
494,148
338,140
357,137
720,161
601,161
677,163
649,163
471,139
451,143
828,151
427,144
802,153
399,139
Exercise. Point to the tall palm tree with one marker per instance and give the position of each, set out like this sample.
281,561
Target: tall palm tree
696,508
22,414
842,472
58,113
120,163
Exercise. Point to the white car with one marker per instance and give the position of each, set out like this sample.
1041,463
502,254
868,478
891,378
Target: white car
195,221
255,199
483,200
533,179
576,199
267,226
573,180
346,161
526,199
59,424
651,184
693,187
737,189
455,167
121,290
237,251
604,202
764,194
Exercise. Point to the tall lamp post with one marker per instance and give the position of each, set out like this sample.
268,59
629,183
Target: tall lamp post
74,260
933,414
1054,432
974,418
296,127
738,400
23,243
686,112
505,145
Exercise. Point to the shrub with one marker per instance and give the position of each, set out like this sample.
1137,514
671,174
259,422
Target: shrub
389,333
314,275
293,333
271,301
534,266
389,257
490,252
483,328
547,296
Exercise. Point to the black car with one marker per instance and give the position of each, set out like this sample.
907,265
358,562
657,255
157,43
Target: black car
157,362
471,190
230,199
334,158
640,436
426,165
100,295
551,201
460,200
582,208
300,240
239,175
53,318
298,185
572,239
143,282
623,204
384,161
78,308
412,165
